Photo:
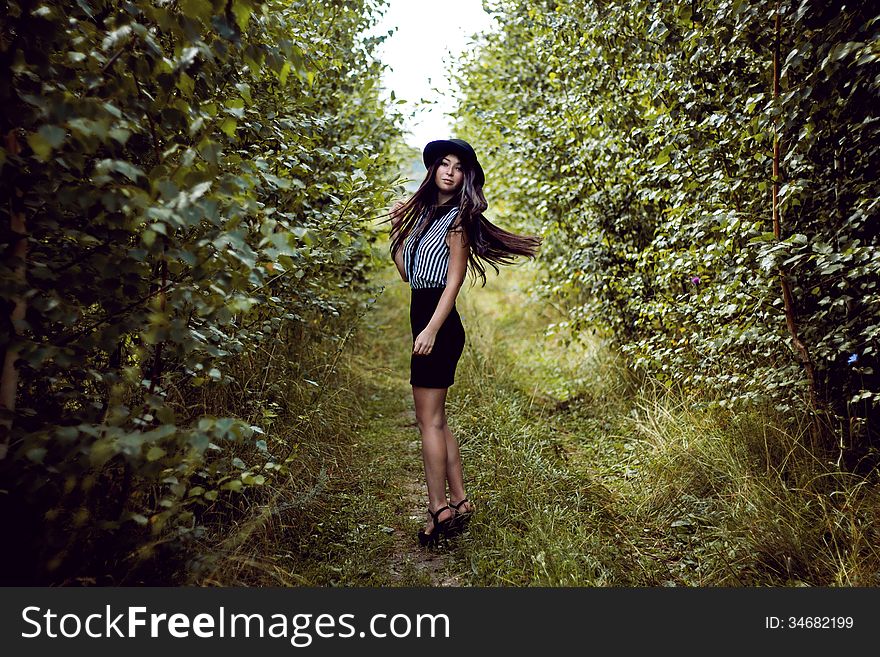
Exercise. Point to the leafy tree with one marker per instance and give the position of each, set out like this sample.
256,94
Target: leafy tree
640,137
194,180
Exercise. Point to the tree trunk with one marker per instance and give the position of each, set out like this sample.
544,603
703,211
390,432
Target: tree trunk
800,348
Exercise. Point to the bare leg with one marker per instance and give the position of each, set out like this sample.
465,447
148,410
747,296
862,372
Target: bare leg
454,472
430,406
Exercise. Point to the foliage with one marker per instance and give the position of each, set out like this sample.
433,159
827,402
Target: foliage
639,136
582,479
196,180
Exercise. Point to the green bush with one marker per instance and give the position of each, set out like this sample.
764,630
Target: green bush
196,181
639,136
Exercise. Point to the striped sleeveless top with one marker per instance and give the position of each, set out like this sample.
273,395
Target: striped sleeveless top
425,252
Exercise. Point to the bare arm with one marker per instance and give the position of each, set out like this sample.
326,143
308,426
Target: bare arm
458,259
398,260
398,255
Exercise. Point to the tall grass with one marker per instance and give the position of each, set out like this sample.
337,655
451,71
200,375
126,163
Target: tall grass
585,478
751,502
540,520
305,524
582,475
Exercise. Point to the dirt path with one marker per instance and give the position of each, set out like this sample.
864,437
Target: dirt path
392,438
432,565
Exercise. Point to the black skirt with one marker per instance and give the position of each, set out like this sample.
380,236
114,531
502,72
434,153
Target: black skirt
437,369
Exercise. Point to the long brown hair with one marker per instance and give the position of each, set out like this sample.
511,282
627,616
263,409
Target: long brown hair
489,243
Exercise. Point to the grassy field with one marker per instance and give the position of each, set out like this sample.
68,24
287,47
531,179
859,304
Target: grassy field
581,478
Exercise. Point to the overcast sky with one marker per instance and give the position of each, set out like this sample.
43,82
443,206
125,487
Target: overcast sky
430,34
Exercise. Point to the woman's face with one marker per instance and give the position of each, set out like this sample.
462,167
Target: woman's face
449,174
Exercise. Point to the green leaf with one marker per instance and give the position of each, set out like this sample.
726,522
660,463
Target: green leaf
228,126
120,135
283,73
234,485
102,451
36,454
53,135
155,453
235,106
245,91
186,85
253,480
210,150
242,10
663,155
127,169
200,9
40,146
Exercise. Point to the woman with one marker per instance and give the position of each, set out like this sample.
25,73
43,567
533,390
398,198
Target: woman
436,236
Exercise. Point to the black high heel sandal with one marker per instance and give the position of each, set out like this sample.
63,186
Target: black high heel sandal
441,527
461,518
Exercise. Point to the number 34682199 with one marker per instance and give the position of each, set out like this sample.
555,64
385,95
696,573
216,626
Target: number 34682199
808,622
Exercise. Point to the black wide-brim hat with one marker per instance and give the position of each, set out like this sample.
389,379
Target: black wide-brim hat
437,149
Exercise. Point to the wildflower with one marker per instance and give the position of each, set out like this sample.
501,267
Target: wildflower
853,358
695,280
